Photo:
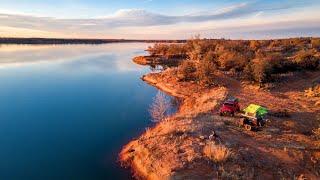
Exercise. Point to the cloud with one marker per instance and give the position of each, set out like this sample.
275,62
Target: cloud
126,19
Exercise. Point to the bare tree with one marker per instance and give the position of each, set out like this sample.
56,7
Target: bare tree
159,109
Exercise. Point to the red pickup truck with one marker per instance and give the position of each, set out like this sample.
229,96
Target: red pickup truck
230,107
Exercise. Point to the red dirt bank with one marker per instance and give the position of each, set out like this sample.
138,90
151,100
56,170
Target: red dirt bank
173,149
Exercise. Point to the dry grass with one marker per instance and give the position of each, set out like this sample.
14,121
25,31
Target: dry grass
217,153
316,132
174,148
313,91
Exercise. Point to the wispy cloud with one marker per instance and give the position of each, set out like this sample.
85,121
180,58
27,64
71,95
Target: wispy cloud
139,18
129,17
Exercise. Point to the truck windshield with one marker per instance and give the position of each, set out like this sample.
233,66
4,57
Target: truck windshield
228,104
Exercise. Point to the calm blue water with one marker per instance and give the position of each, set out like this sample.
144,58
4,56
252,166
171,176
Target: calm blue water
66,111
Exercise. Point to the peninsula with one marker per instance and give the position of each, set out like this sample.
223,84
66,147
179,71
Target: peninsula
282,75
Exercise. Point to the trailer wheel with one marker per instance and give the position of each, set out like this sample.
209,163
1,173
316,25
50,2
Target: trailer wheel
247,127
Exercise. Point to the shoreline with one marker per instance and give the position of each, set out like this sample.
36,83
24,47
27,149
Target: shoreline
174,148
138,161
53,41
162,87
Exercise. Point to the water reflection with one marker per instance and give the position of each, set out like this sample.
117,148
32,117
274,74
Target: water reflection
66,110
100,63
107,57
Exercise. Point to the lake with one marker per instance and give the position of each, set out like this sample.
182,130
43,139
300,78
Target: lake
66,110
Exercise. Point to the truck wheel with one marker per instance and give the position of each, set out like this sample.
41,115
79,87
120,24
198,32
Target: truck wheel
247,127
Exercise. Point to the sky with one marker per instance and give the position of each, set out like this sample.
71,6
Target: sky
160,19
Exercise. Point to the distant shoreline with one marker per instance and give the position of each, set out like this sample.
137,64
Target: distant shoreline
79,41
48,41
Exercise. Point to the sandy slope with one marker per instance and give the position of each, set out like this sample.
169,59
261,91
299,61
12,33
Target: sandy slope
173,149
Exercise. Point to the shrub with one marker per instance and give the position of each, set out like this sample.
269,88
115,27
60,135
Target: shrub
227,60
176,50
233,60
265,43
255,45
247,72
197,48
316,131
160,107
306,60
274,44
168,50
236,45
302,42
313,91
205,69
261,70
195,54
277,62
217,153
186,70
294,43
158,49
256,59
315,42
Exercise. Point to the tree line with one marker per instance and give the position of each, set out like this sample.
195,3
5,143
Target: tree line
254,60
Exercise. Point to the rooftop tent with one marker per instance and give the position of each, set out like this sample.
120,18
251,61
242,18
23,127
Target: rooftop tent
254,109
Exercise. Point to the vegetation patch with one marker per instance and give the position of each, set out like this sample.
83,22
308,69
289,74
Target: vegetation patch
181,145
217,153
251,60
313,91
